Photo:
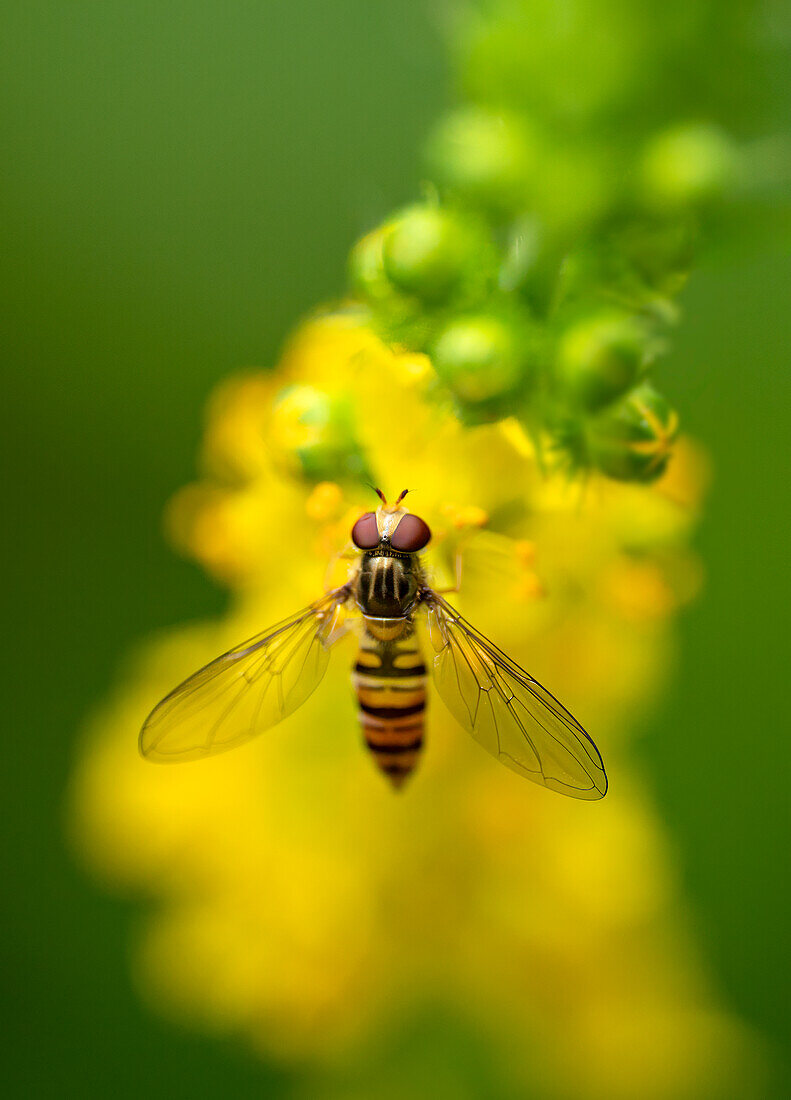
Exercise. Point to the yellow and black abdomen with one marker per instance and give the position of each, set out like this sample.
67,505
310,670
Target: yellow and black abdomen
390,680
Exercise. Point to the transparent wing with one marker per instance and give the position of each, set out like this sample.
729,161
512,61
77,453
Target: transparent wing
247,689
507,711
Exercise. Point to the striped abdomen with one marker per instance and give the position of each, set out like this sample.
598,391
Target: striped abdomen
390,680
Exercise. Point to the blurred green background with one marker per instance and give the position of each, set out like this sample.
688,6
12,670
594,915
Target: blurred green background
183,182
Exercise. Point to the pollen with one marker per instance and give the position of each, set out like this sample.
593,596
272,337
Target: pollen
525,552
530,588
325,502
461,516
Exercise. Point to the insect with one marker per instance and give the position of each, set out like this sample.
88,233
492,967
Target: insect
250,688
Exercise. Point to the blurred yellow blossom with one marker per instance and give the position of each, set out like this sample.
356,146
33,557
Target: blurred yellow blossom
295,900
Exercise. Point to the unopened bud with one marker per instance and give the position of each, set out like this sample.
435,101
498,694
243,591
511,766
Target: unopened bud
600,357
481,357
632,440
427,252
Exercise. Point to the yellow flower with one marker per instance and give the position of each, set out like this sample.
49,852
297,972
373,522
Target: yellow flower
299,902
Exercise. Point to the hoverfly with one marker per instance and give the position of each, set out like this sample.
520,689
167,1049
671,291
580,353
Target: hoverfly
252,687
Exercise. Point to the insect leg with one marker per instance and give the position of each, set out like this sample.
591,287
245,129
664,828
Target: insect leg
348,554
458,569
335,622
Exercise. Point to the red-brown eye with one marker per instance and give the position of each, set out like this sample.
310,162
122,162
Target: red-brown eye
411,535
365,533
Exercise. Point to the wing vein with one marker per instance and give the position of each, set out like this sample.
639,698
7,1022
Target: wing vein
528,728
230,700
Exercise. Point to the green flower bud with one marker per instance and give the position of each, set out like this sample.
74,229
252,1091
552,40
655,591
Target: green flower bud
427,252
632,440
483,157
599,358
397,317
317,429
482,357
688,164
366,267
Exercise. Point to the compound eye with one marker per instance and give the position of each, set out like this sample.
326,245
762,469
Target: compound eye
365,533
411,535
